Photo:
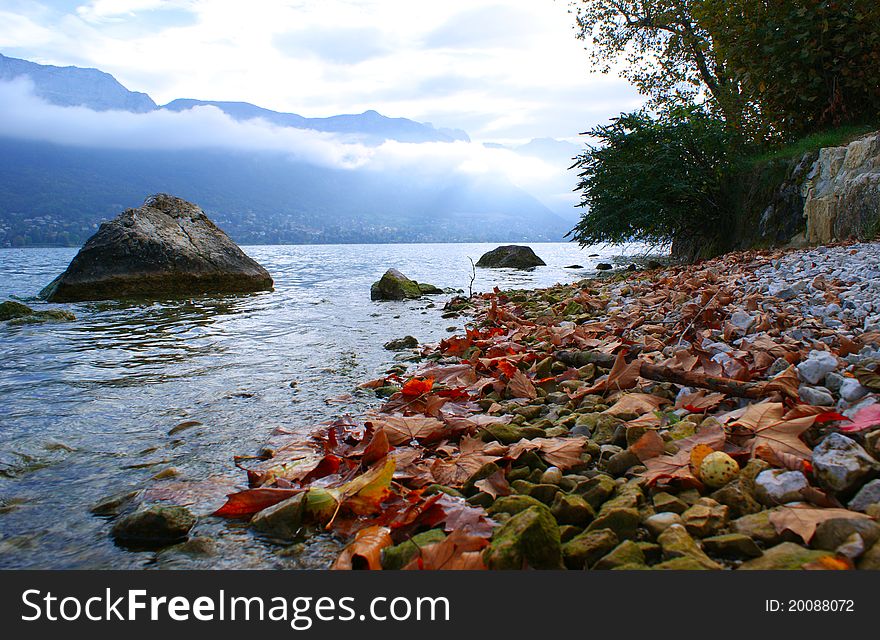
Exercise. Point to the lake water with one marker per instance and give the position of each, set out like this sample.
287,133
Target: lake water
86,406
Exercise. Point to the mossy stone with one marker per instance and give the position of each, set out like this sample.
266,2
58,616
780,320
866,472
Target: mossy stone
623,522
154,525
400,555
585,549
627,552
528,539
441,488
785,556
513,504
734,546
676,542
597,490
571,509
509,433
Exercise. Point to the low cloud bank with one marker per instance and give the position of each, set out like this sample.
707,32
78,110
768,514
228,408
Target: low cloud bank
23,115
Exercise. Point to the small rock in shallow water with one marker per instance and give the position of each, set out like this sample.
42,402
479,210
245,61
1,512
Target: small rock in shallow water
604,266
155,525
399,344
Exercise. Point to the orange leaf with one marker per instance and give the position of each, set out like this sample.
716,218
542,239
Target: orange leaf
417,387
365,552
650,445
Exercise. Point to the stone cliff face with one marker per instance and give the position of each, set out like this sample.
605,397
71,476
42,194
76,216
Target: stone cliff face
842,192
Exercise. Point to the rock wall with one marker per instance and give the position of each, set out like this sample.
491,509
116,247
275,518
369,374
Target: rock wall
842,192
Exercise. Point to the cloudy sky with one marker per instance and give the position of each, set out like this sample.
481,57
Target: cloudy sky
503,70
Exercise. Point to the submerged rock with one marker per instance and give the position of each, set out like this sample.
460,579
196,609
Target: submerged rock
399,344
168,247
510,256
157,525
17,313
11,309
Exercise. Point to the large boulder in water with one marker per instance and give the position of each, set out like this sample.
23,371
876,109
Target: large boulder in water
166,248
511,256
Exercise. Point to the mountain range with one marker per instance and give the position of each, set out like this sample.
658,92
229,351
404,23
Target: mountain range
54,192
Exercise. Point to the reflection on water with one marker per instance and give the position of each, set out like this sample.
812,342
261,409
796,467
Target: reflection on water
86,406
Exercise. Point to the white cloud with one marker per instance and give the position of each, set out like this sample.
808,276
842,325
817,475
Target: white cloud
525,77
25,116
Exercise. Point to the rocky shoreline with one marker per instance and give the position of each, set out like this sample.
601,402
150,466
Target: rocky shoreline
712,416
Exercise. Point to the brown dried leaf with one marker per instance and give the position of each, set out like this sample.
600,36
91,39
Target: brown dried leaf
770,427
405,429
803,520
459,467
650,445
636,403
521,387
365,552
459,551
495,485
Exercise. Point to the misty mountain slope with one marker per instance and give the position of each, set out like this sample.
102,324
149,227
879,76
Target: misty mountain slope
370,126
52,194
74,86
63,171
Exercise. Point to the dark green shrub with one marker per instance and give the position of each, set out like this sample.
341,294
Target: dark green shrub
654,180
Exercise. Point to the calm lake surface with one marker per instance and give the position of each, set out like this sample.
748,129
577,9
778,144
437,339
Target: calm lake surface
86,406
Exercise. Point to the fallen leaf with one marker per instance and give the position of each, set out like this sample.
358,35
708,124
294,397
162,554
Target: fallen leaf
377,448
699,452
405,429
453,472
767,422
803,520
459,551
365,552
650,445
564,453
521,387
365,493
864,419
244,504
636,403
787,383
417,387
699,401
677,466
495,485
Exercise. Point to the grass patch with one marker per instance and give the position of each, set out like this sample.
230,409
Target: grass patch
832,138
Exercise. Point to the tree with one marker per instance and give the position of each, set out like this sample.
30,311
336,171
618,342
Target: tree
665,51
804,65
654,180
